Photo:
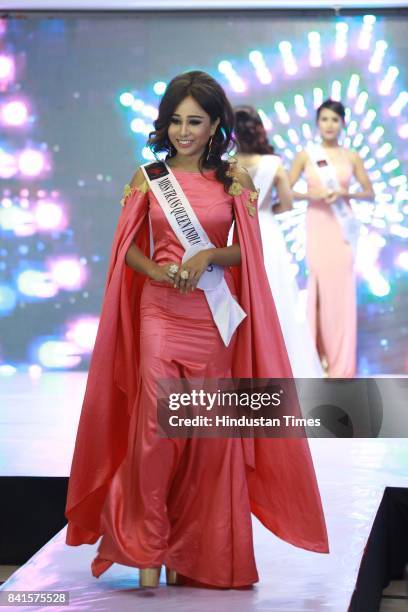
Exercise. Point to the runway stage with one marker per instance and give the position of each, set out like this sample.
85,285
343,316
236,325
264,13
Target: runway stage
37,432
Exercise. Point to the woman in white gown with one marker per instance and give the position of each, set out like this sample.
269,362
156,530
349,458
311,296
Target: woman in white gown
256,155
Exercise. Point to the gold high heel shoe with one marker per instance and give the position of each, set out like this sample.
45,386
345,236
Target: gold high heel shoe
172,577
149,577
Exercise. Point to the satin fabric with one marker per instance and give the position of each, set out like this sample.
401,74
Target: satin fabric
299,343
332,294
184,503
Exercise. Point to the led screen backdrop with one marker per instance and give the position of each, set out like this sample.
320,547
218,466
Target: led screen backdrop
78,95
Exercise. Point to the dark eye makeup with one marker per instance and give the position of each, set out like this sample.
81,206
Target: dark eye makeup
192,121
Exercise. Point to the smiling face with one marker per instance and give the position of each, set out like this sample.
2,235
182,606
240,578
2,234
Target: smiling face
330,124
190,129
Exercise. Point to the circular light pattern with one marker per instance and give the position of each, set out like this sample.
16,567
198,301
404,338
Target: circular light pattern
57,354
159,88
14,113
67,273
49,216
31,162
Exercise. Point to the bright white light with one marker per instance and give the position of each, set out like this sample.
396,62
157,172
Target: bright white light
234,79
403,131
402,260
361,102
336,90
224,67
31,163
353,86
289,62
150,111
278,140
396,181
378,56
300,105
267,123
379,285
366,32
368,119
315,52
35,371
137,104
49,216
126,99
35,283
67,273
341,39
137,126
388,81
6,68
159,88
398,104
384,150
281,112
293,136
317,96
352,128
7,370
14,113
358,140
376,134
83,332
58,354
307,132
8,165
369,20
391,165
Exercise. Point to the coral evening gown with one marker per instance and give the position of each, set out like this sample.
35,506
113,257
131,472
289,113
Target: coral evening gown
185,503
332,308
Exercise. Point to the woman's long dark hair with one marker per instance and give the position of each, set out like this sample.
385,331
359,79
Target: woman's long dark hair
249,131
211,97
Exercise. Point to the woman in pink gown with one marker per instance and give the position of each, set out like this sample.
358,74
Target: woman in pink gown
185,503
332,309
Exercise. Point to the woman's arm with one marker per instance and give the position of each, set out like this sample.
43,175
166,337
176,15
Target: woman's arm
367,192
137,260
283,190
295,172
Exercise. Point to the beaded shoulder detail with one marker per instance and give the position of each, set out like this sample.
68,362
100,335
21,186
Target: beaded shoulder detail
128,191
236,188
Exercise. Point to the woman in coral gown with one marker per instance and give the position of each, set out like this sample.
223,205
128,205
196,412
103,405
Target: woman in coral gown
332,308
185,503
257,156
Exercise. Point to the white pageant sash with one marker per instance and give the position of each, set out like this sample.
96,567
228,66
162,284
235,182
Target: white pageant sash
226,311
349,224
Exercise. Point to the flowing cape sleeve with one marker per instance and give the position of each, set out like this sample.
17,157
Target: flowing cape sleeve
111,388
281,479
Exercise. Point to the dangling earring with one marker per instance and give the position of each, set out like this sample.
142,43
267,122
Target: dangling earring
209,148
169,147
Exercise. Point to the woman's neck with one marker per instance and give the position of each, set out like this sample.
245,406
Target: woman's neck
189,164
330,144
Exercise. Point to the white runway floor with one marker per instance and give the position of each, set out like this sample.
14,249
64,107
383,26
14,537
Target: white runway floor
40,422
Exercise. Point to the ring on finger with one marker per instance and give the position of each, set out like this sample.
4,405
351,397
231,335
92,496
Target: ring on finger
184,274
173,269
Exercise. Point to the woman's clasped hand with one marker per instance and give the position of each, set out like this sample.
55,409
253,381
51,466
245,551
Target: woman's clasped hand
183,276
